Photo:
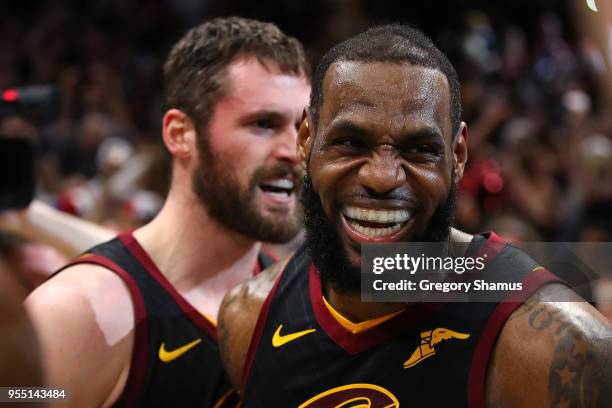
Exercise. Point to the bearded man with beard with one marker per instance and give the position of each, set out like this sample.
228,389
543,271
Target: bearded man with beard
133,321
383,146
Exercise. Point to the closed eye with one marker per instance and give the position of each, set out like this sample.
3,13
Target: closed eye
423,152
350,142
348,136
423,148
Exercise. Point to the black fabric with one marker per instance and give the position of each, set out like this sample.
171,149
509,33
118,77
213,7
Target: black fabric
315,363
265,260
194,379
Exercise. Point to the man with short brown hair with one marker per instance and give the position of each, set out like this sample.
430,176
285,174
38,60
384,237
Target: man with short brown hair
132,322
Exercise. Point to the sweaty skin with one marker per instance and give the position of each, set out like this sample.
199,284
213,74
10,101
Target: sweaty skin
548,353
384,131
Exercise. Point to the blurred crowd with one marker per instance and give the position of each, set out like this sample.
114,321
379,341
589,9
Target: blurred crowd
540,142
540,132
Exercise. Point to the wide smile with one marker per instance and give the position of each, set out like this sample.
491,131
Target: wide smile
375,225
279,191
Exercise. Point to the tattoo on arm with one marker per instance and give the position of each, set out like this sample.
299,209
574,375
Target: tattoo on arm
572,377
579,374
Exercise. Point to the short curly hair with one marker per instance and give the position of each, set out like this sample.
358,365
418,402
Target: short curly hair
388,43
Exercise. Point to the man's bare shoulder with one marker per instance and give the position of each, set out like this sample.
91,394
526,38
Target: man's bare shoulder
90,292
552,353
238,317
84,320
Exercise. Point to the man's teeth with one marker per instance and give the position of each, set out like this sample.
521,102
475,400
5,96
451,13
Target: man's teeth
279,188
391,220
381,216
283,194
375,232
280,183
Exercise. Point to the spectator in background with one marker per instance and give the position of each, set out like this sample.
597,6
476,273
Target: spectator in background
531,78
106,56
31,262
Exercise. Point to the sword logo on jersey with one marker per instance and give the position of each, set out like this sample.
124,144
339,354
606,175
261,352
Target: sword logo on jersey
429,339
281,339
168,356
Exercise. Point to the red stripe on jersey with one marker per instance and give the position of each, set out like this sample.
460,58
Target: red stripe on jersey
480,360
257,333
354,343
127,238
130,396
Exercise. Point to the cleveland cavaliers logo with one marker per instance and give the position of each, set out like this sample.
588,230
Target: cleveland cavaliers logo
353,396
429,339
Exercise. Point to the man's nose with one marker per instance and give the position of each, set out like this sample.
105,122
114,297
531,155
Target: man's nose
383,172
286,147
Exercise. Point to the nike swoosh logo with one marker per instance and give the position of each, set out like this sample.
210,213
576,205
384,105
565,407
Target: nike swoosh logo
167,356
279,340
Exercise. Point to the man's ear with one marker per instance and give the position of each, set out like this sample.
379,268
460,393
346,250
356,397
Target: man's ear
179,133
460,150
305,138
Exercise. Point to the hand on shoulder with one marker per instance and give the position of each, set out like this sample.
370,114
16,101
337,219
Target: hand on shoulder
238,317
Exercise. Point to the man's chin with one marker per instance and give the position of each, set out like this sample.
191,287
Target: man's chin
278,215
276,227
354,259
276,203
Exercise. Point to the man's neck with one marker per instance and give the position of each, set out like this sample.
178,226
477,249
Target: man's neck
191,249
349,304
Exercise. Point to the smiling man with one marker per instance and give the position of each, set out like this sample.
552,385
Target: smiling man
384,146
132,322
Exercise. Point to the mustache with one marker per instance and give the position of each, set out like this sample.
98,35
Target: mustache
277,171
399,194
395,195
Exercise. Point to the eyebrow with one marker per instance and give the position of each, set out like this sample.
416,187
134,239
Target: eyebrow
424,133
273,115
347,126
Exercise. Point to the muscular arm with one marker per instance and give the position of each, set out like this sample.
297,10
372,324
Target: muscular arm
237,319
553,354
84,322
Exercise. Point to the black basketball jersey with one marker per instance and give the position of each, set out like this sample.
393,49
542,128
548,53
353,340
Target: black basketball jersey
175,359
431,354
